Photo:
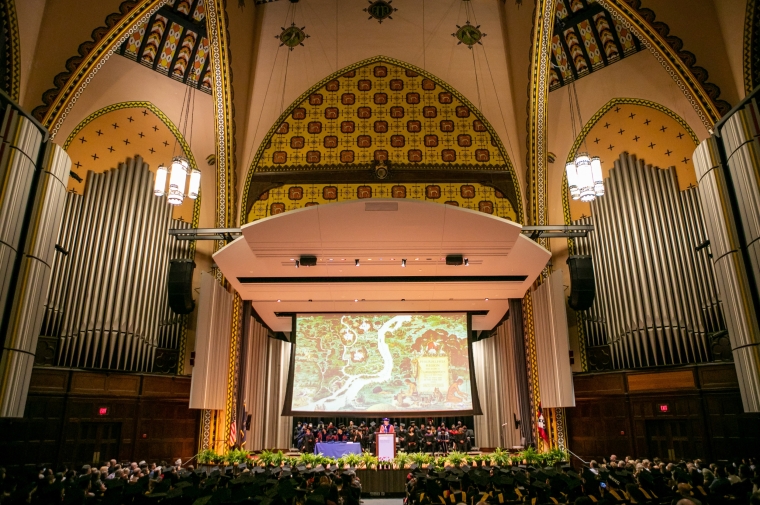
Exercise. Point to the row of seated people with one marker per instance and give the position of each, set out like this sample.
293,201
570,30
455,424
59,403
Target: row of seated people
175,485
614,482
425,438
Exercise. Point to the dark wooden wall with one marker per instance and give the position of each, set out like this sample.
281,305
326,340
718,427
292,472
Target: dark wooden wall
150,413
612,410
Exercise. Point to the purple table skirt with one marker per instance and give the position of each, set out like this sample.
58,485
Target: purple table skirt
337,449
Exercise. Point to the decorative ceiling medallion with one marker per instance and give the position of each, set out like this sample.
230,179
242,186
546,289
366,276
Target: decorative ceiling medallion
292,36
380,10
468,34
382,170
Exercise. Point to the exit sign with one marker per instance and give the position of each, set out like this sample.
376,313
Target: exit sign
103,411
664,407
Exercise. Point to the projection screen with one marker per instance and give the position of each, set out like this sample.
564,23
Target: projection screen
395,364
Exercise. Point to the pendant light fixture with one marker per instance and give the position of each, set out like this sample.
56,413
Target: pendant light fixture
584,172
180,165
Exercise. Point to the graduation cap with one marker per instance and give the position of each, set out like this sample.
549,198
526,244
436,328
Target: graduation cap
465,468
539,485
502,479
258,469
301,468
373,424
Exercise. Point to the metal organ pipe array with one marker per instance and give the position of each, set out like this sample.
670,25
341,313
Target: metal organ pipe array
727,165
657,299
34,173
108,297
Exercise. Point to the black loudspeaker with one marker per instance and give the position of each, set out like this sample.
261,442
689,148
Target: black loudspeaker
582,287
180,286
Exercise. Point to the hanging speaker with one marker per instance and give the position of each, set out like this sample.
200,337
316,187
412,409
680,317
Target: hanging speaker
582,287
180,285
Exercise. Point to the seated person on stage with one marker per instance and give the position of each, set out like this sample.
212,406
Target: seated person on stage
430,440
386,427
401,438
340,436
443,439
412,443
371,436
356,436
308,442
461,440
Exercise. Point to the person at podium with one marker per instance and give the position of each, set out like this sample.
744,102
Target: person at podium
386,427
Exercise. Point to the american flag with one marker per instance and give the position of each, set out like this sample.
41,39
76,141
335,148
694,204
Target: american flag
233,434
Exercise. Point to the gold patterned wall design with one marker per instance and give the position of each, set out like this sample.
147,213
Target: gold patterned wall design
471,196
381,112
110,135
639,127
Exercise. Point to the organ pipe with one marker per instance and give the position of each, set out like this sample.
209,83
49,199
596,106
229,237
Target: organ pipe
727,166
34,175
657,299
107,300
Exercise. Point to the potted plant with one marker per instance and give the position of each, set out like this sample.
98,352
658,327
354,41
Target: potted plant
555,456
529,456
420,459
352,460
455,459
500,457
402,460
369,461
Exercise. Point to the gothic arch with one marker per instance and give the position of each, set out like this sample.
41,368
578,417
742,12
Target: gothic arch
622,105
381,110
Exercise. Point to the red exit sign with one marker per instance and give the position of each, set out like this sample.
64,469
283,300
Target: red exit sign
103,411
664,407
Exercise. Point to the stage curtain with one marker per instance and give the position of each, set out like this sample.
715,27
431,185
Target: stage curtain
267,361
494,374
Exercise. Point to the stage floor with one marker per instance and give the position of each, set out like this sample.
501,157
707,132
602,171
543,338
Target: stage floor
383,501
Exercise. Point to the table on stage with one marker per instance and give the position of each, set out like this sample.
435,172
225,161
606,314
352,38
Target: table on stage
337,449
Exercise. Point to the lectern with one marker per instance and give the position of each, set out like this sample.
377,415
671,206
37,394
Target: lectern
385,446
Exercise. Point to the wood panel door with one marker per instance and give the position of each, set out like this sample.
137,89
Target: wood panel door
669,439
97,442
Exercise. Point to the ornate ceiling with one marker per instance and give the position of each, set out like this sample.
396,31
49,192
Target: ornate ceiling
174,43
586,39
381,112
113,134
652,132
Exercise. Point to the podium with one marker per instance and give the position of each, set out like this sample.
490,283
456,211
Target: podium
385,446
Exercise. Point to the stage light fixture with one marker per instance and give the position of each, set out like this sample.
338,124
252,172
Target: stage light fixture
486,299
308,261
466,262
454,259
356,262
298,263
403,263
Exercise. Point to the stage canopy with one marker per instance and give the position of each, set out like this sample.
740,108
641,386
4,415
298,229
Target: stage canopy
377,235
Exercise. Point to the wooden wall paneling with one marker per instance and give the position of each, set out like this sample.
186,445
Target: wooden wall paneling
653,381
613,410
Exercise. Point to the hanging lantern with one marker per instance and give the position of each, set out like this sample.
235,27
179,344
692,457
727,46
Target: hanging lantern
159,187
177,179
195,184
596,172
585,177
572,180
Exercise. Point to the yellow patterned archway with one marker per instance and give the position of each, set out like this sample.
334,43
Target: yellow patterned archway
384,111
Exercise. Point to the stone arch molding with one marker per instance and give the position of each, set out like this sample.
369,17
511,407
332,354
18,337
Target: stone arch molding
380,111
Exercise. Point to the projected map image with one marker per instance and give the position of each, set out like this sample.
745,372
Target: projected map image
381,363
